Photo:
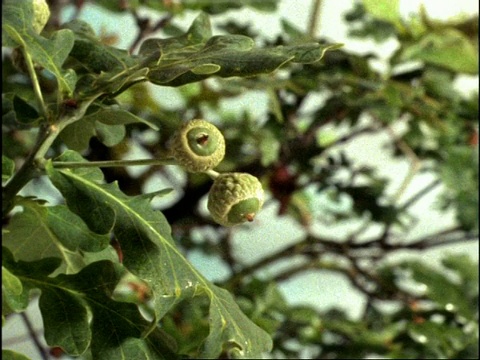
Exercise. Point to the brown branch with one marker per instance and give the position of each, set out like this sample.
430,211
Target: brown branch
227,253
353,134
440,240
146,29
34,337
314,21
420,194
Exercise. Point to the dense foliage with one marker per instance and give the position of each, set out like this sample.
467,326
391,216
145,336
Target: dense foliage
111,268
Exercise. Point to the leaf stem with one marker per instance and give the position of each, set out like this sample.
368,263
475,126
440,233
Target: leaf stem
112,163
212,173
35,83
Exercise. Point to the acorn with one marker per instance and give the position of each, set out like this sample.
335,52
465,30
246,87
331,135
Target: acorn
235,198
41,14
198,146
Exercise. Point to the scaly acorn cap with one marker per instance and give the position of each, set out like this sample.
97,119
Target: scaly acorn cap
235,198
198,146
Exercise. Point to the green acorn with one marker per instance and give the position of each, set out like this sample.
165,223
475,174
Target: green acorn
41,14
198,146
235,198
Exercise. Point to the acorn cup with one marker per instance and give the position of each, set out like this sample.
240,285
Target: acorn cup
198,146
235,198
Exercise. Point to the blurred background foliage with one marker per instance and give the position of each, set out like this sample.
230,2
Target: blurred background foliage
413,310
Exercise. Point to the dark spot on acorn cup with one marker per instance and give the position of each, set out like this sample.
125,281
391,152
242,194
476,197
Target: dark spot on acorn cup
250,217
202,139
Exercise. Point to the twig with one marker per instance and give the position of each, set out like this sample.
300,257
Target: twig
227,253
353,134
415,162
289,251
145,28
420,194
33,336
435,241
314,21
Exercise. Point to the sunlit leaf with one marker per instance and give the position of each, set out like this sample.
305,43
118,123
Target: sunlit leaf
10,283
440,289
39,232
50,53
195,55
13,355
386,10
442,48
151,254
8,168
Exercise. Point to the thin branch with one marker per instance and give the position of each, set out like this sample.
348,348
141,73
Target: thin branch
434,241
33,336
420,194
314,21
227,252
409,153
145,28
287,252
353,134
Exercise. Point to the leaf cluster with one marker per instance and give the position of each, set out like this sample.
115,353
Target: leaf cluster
109,260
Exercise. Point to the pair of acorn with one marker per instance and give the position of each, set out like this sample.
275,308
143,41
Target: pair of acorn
235,197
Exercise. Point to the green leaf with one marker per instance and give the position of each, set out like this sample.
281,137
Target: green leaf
19,301
8,168
65,320
106,123
92,53
78,134
50,53
464,266
206,69
151,254
459,173
78,312
195,55
72,231
199,32
10,283
39,232
269,146
444,341
13,355
439,288
386,10
442,48
114,115
24,112
307,53
109,135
